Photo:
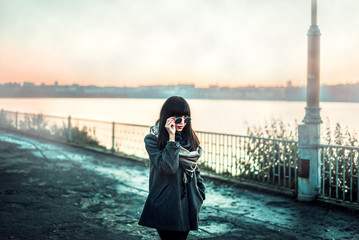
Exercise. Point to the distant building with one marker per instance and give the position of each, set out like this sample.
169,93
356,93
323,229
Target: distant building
289,83
28,84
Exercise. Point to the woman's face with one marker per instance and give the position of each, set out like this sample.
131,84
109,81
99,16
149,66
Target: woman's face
180,126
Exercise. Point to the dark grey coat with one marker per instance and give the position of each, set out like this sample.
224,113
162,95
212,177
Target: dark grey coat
165,208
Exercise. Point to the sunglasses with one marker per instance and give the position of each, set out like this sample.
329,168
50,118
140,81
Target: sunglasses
179,120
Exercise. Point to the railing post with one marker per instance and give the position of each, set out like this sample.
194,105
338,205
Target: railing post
38,124
16,120
2,117
309,132
69,129
113,137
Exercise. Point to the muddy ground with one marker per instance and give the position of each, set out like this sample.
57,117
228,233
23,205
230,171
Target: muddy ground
55,191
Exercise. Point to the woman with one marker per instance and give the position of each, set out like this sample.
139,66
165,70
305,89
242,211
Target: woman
176,190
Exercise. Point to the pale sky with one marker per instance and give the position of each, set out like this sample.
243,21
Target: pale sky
151,42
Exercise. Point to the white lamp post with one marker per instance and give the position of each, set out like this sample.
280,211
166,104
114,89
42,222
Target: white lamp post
309,132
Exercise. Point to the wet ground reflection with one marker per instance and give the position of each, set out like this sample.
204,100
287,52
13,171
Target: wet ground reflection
109,193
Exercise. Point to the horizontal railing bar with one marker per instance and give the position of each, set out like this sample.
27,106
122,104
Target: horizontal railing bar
80,119
88,120
338,146
116,123
249,137
65,118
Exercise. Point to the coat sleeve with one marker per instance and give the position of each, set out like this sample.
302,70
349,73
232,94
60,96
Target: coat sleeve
167,159
200,185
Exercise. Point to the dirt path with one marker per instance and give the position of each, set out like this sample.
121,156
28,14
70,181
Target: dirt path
44,198
54,191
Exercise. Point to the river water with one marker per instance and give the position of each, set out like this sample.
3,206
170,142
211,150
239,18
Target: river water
225,116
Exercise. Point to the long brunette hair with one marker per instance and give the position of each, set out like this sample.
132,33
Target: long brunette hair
176,106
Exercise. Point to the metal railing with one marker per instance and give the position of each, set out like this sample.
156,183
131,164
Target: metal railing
339,173
272,162
106,136
260,160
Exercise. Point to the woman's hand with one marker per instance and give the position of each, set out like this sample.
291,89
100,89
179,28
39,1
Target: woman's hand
171,128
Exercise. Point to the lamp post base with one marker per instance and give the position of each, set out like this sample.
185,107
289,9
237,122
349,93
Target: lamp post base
312,115
305,197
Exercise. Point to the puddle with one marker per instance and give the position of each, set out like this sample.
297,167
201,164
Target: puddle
21,144
216,228
17,171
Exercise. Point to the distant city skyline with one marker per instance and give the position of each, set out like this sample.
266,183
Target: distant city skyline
56,83
206,42
333,93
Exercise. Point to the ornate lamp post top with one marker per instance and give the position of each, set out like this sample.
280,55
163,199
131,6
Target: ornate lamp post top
314,12
314,30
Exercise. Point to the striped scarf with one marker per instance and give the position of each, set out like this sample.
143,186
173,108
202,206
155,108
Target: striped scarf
188,162
187,159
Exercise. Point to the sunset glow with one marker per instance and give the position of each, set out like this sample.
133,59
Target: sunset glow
132,43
